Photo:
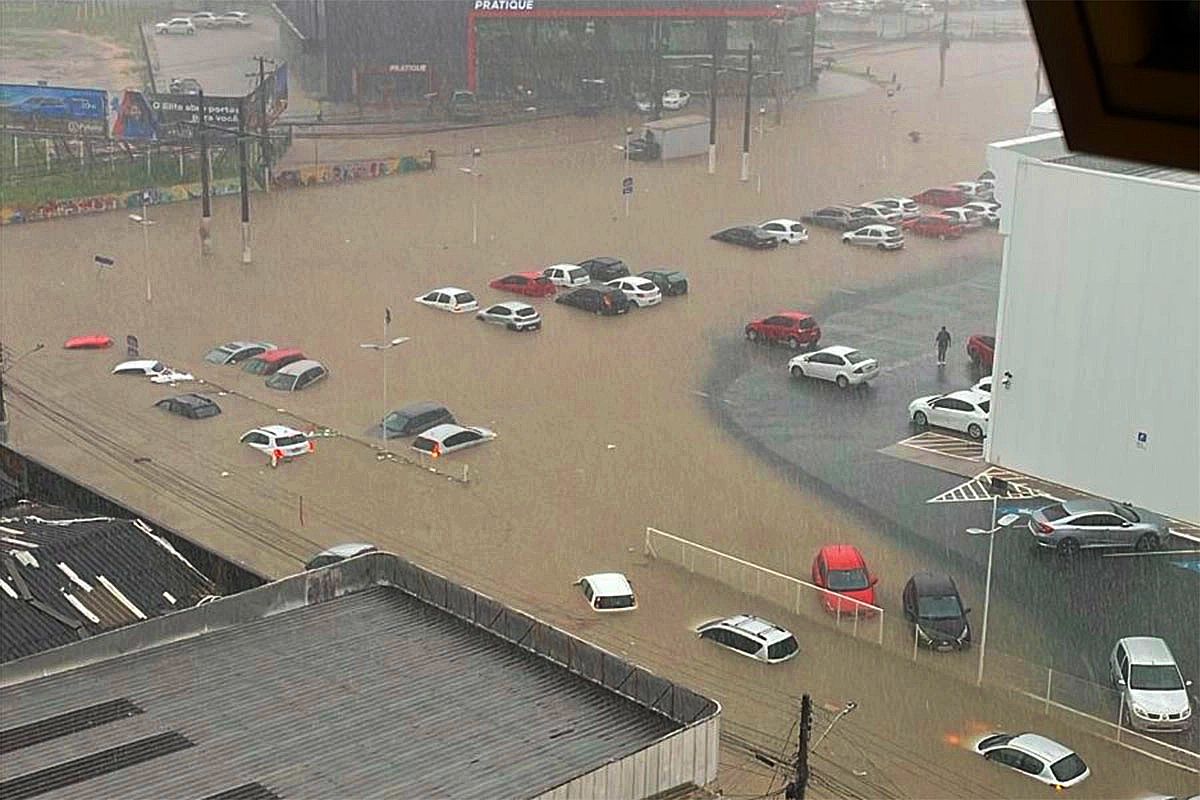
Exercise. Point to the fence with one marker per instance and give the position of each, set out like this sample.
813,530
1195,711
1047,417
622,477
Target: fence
846,613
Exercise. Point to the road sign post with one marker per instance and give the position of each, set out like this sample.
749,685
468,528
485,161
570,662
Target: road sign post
627,191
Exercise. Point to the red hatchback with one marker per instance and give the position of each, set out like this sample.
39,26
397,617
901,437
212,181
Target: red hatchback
939,225
981,349
529,284
794,328
842,570
941,197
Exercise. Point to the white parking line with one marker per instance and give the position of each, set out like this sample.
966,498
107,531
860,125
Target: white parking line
1152,553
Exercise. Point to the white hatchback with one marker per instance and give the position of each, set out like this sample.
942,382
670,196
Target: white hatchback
751,636
642,292
442,439
449,298
567,275
675,99
965,411
514,315
1155,694
1040,758
885,237
787,231
838,364
905,205
278,441
607,592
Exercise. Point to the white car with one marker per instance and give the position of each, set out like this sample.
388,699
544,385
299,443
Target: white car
449,298
157,371
882,215
442,439
987,210
905,205
983,385
1040,758
178,25
885,237
787,231
965,411
568,276
675,99
919,10
1156,696
232,19
607,592
514,315
844,366
203,19
967,217
642,292
278,441
751,636
975,189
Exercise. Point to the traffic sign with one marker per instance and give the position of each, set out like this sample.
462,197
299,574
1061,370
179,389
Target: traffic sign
627,186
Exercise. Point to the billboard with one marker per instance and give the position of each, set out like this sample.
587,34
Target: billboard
175,117
57,110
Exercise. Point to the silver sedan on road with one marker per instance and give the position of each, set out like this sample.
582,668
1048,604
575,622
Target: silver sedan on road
1068,527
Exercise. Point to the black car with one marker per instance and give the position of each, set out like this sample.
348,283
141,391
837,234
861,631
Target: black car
747,236
932,604
840,218
192,406
605,268
669,281
606,300
413,419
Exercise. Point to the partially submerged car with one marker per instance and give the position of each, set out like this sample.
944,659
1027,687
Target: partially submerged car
415,418
442,439
515,316
272,361
157,371
671,282
279,442
191,406
607,592
298,375
93,341
236,352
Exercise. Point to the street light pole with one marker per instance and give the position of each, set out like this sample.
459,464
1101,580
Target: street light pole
145,222
474,173
997,526
382,348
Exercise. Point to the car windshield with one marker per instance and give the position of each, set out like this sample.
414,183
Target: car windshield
1068,767
287,441
397,421
944,606
848,580
615,601
1155,678
255,366
217,354
783,648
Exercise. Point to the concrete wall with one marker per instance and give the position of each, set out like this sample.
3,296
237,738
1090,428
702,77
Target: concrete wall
1099,324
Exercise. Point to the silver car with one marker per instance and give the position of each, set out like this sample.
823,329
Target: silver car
514,315
1067,527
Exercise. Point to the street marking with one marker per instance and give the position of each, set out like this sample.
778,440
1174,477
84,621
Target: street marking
1153,553
943,445
980,488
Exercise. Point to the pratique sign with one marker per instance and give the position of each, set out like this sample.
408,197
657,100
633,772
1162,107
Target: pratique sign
504,5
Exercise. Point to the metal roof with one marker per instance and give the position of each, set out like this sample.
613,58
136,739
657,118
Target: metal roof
1131,168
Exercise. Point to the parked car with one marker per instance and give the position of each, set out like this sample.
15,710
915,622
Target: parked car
202,19
941,197
932,604
449,298
975,190
842,571
297,375
157,371
884,237
278,441
988,211
786,231
794,328
981,349
918,9
1040,758
939,225
905,205
463,106
967,217
567,275
983,385
232,19
747,236
442,439
1156,696
192,406
598,299
642,292
604,268
184,86
271,361
963,411
92,341
235,352
178,25
670,282
838,364
339,552
415,418
751,636
512,315
838,217
607,592
529,284
877,215
675,99
1095,523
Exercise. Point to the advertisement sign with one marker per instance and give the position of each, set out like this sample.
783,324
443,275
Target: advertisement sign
54,109
175,117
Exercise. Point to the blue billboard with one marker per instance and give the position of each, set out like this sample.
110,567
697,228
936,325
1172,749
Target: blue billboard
57,110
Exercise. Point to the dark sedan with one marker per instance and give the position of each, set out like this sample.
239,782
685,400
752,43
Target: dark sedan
670,282
603,269
747,236
932,604
840,218
192,406
605,300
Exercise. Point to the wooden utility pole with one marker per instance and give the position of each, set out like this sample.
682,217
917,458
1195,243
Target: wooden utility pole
799,785
712,102
264,133
205,178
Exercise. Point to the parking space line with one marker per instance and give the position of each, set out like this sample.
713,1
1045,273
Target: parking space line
943,445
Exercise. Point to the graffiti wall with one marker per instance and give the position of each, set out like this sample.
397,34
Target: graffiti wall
157,195
350,171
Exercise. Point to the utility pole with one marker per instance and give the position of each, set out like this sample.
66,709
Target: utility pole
799,785
205,177
943,45
746,121
265,140
245,187
712,103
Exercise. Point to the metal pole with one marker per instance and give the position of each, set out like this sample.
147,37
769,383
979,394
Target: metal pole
943,45
205,176
712,105
265,142
987,595
145,223
383,419
16,154
245,186
746,117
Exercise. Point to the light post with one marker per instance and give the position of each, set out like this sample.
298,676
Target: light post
846,709
997,526
145,222
474,173
382,348
762,115
628,133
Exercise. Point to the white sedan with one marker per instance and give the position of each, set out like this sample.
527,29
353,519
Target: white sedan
988,211
885,237
449,298
965,411
178,25
278,441
607,592
1040,758
642,292
844,366
675,99
787,231
442,439
568,276
157,371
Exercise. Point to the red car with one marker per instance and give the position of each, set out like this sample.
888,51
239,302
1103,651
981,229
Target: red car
794,328
93,341
939,225
942,197
981,349
842,570
529,284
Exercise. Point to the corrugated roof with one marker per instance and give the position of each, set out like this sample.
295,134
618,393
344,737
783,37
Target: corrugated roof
1132,168
372,694
10,491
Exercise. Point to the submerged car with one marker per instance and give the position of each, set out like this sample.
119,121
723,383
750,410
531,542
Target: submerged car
607,592
1156,696
512,315
604,300
94,341
941,226
280,442
235,352
567,275
605,268
787,231
932,604
964,411
192,406
1095,523
753,637
157,371
670,282
642,292
442,439
298,375
449,298
747,236
842,571
885,237
415,418
271,361
1040,758
529,284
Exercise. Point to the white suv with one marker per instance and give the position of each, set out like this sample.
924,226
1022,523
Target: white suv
1155,693
180,25
607,592
751,636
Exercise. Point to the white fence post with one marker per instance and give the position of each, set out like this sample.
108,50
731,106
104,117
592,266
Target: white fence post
1049,682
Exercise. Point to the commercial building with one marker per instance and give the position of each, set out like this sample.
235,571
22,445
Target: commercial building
1097,364
369,678
396,52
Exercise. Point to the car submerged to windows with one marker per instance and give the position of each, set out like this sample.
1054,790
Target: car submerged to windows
442,439
1040,758
235,352
512,315
607,592
191,406
449,298
297,375
157,371
751,636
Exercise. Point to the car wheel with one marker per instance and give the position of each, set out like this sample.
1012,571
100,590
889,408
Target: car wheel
1146,543
842,381
752,334
796,371
845,241
793,343
974,431
920,419
1068,548
881,247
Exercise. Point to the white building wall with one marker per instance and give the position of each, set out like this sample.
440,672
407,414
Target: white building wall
1099,325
